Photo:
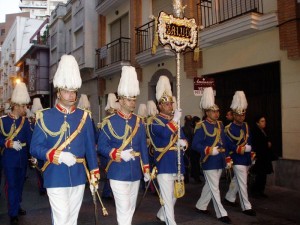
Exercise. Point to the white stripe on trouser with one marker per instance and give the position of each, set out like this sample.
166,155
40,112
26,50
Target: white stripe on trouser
65,204
166,186
239,184
211,191
125,194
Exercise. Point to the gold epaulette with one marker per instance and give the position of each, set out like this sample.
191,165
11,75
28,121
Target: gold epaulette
39,113
198,125
88,111
157,120
105,120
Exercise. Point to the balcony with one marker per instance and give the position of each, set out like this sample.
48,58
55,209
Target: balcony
103,7
111,57
225,20
144,42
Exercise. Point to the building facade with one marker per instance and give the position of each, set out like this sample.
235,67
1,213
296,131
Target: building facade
245,45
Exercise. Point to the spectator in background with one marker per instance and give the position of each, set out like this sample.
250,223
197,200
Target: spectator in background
188,131
263,165
229,118
195,156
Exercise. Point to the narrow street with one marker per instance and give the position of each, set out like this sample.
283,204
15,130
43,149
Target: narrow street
281,207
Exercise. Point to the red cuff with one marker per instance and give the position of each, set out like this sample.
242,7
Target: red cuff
240,150
113,153
9,144
146,168
253,155
228,159
51,155
172,126
207,150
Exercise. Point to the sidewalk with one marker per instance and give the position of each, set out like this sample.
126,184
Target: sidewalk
281,207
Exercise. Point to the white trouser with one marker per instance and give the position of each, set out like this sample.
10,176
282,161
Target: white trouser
65,204
211,191
125,194
239,184
166,186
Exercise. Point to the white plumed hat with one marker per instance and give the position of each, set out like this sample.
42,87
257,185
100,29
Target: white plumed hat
163,90
151,108
83,102
239,103
112,103
67,75
36,105
207,101
20,94
142,110
129,84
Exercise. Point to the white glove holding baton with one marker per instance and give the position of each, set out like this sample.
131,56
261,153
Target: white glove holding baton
177,115
215,151
127,155
17,145
146,177
248,148
67,158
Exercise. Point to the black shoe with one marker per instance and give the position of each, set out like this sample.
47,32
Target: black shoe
206,212
225,219
22,212
249,212
229,203
14,220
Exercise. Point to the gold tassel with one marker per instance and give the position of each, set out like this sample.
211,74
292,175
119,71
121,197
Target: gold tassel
155,40
196,54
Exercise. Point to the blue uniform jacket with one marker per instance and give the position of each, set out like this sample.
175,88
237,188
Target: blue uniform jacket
238,135
161,131
110,137
205,136
83,146
12,158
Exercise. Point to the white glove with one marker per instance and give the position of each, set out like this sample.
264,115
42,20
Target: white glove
93,188
182,143
177,115
17,145
215,151
248,148
253,161
67,158
146,177
126,155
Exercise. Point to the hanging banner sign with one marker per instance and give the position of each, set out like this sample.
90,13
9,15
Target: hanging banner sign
179,33
200,83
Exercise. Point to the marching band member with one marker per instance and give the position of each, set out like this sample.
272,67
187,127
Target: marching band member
162,131
122,140
209,141
64,139
15,136
238,140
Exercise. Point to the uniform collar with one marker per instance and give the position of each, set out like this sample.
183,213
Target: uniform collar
13,116
65,110
165,116
123,115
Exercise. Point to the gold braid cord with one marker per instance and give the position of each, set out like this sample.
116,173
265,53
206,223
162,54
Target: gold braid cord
12,129
242,134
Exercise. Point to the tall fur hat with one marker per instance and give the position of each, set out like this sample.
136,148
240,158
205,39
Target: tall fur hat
129,84
84,102
67,75
142,110
151,108
20,94
207,101
112,103
36,105
163,90
239,103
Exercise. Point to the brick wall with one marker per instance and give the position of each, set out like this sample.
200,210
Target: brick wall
289,27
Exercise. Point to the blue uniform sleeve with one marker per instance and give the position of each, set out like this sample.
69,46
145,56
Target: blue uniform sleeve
198,144
143,144
38,148
104,147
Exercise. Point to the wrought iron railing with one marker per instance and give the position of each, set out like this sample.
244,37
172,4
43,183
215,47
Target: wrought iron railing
116,51
211,12
144,37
